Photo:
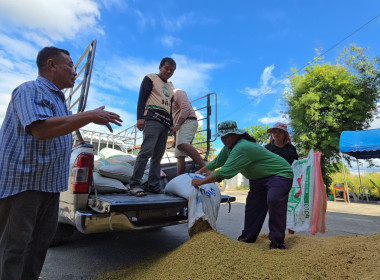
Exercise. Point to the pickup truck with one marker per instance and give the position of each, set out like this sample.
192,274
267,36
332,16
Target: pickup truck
81,208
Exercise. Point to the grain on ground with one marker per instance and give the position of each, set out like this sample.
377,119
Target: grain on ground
210,255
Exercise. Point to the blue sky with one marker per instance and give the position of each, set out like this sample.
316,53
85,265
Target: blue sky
242,50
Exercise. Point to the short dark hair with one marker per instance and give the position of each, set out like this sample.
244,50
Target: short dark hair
47,53
168,60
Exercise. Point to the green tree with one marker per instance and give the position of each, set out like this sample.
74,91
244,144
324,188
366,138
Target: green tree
259,132
328,99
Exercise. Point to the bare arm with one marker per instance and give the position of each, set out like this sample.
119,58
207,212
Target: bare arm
208,179
177,126
145,91
59,126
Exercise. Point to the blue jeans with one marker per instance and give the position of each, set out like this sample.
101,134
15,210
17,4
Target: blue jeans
153,146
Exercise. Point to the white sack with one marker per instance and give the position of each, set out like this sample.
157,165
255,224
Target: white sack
123,158
108,152
122,172
107,185
203,203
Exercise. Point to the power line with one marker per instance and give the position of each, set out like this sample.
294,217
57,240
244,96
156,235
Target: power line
329,49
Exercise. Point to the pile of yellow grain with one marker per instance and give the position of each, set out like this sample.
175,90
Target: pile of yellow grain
210,255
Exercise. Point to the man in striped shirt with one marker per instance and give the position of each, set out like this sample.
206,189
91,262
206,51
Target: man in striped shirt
35,148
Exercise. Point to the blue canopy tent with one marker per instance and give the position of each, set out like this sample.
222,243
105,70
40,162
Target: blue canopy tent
360,144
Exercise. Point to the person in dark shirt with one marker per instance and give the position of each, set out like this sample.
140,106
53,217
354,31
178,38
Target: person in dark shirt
155,120
270,180
281,144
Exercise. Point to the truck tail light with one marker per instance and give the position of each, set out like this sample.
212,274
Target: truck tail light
82,173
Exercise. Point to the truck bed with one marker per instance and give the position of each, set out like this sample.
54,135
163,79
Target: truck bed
122,202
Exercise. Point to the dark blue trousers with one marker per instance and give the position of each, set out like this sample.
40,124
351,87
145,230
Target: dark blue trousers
267,194
28,222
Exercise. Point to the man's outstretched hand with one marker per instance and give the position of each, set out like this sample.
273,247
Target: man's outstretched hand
104,117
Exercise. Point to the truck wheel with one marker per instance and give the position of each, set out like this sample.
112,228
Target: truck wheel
63,231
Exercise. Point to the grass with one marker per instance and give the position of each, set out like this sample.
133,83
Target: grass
354,181
242,188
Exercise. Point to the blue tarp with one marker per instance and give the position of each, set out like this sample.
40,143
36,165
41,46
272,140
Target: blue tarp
361,144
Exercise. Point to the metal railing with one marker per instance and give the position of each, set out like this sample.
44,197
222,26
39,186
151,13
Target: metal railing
84,70
211,102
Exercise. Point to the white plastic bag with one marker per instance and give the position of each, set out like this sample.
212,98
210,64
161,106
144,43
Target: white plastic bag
203,202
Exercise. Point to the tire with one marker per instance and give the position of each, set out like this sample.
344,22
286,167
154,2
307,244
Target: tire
63,232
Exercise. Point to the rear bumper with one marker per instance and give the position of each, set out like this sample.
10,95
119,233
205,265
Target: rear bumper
134,218
87,222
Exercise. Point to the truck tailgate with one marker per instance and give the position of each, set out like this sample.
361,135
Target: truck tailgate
122,202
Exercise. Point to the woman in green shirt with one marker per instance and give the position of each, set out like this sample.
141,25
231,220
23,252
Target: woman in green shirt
270,180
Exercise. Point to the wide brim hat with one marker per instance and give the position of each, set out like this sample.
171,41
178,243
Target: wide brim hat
282,127
228,127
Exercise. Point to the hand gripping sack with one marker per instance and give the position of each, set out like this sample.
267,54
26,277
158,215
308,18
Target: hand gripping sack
203,202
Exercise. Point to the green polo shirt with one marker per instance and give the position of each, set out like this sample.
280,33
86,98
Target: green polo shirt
251,160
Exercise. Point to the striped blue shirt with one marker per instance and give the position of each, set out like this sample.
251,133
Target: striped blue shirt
25,162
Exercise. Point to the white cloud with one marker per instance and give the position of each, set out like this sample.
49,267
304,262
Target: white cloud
14,70
143,20
376,122
266,85
177,23
192,75
40,23
55,19
123,73
272,119
274,116
184,20
170,41
127,73
17,49
115,4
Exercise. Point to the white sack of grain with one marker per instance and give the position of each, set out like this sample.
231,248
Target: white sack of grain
107,185
122,172
203,202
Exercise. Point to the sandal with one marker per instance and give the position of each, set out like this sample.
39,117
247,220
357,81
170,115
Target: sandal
137,191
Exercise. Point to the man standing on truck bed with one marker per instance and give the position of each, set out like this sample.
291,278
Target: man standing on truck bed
35,152
154,118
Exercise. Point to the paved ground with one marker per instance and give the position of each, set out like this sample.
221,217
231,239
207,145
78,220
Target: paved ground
348,219
84,257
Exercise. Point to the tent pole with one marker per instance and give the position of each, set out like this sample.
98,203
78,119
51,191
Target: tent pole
360,179
345,180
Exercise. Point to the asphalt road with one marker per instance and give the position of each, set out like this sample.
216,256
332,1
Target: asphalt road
85,257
